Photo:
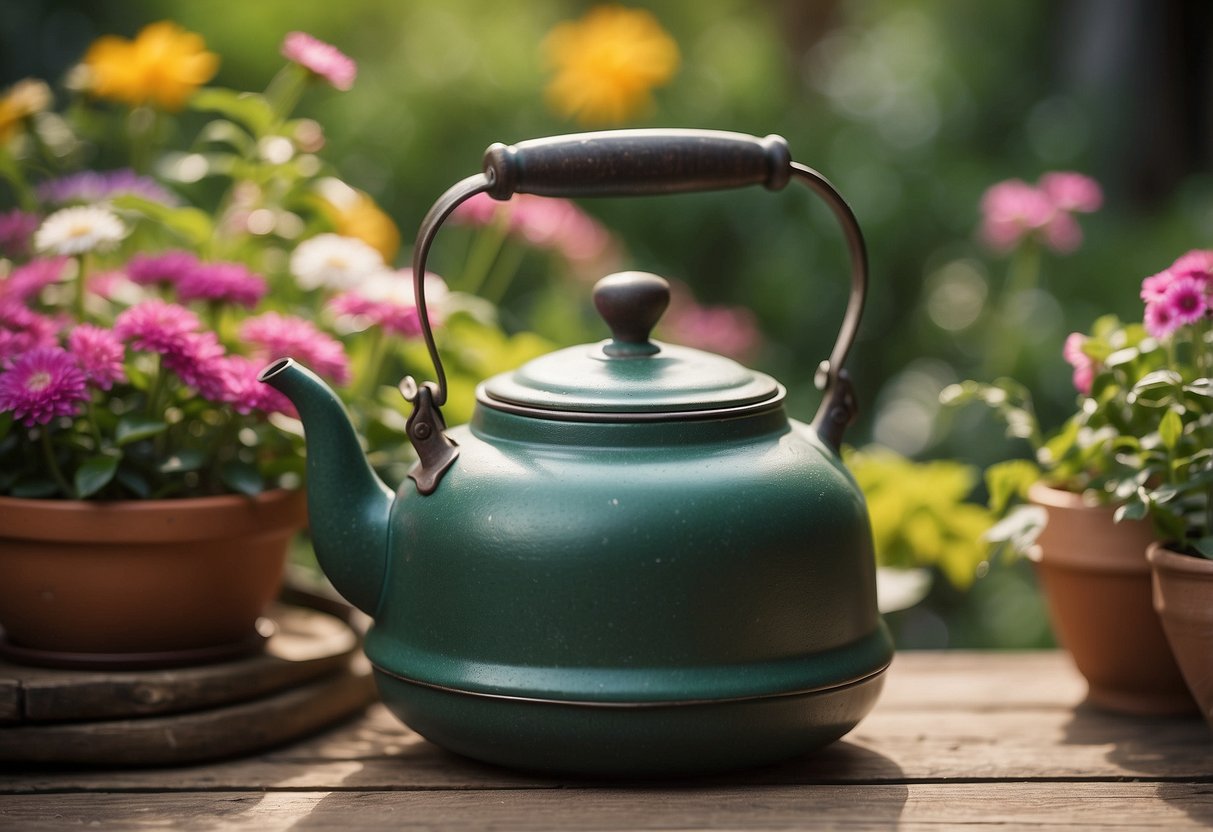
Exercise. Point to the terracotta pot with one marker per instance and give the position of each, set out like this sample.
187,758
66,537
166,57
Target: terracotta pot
139,579
1183,597
1096,580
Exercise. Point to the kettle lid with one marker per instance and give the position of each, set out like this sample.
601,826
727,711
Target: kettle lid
631,376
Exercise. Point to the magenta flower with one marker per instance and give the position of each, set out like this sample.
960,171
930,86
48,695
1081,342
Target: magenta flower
226,282
282,336
1186,297
42,385
99,354
1154,287
29,280
321,59
198,360
1160,319
1197,264
1071,191
553,224
167,267
17,229
1083,364
386,300
244,392
156,326
22,330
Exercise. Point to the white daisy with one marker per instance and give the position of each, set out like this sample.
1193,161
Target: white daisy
333,261
79,230
396,288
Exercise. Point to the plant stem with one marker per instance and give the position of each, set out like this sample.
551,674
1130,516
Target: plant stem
503,273
284,91
483,254
1005,344
81,273
372,368
48,451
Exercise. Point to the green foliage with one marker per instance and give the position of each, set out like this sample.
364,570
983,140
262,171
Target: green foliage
921,514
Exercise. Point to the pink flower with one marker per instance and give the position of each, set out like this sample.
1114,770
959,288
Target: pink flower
387,300
22,329
1011,211
99,353
1083,364
227,282
320,58
156,326
1186,298
1160,319
29,280
41,386
1061,233
1154,288
1071,191
245,393
197,359
1197,264
282,336
17,229
169,267
727,330
553,224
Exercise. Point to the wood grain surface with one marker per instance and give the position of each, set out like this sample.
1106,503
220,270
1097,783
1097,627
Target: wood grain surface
957,740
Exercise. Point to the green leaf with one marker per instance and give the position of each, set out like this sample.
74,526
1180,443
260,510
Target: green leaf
1008,480
250,109
1155,389
242,478
182,461
1133,510
95,473
6,423
133,428
1170,429
1204,545
192,224
134,482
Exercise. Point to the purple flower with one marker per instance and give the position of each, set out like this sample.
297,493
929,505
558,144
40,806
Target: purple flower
99,353
42,385
91,186
27,281
228,282
321,59
17,229
280,336
156,326
169,267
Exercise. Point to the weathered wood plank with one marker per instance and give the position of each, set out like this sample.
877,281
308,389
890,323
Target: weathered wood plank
1094,806
194,736
306,645
890,747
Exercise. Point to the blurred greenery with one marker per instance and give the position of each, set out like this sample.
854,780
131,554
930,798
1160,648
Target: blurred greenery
912,109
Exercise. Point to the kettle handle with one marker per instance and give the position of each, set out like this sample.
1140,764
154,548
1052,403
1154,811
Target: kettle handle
638,163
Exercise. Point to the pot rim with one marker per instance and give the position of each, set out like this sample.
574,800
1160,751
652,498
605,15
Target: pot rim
1169,560
137,521
1051,496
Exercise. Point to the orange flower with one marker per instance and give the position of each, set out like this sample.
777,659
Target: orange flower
607,63
23,99
355,214
163,66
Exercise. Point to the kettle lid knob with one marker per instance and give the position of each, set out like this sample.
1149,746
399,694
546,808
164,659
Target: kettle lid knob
631,303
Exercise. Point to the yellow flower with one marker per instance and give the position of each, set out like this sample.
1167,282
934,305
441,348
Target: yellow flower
354,214
163,66
607,63
23,99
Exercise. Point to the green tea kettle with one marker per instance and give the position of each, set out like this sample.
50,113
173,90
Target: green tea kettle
631,562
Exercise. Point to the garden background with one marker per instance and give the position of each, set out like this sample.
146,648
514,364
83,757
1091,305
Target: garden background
912,109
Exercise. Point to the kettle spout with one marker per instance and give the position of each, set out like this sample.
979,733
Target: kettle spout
348,505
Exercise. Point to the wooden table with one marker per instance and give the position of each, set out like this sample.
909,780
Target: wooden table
957,739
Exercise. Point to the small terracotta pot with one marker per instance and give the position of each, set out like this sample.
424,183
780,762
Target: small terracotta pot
1097,583
141,577
1183,597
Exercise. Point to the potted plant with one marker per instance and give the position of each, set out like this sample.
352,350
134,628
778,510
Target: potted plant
1070,509
1169,471
146,503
